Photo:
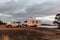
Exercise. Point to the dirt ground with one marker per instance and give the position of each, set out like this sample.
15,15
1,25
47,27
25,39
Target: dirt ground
31,33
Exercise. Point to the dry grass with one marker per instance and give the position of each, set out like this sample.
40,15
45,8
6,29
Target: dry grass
31,33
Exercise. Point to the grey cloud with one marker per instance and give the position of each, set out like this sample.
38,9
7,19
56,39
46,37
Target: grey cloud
20,10
27,8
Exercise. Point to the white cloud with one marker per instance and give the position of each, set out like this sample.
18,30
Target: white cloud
50,18
38,18
33,2
8,15
5,15
20,18
3,1
46,19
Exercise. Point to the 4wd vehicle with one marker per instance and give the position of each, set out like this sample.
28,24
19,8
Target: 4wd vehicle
32,23
14,25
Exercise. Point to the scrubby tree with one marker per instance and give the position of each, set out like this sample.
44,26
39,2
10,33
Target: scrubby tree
57,20
1,22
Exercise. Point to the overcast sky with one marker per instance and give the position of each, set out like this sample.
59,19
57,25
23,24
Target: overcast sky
17,10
